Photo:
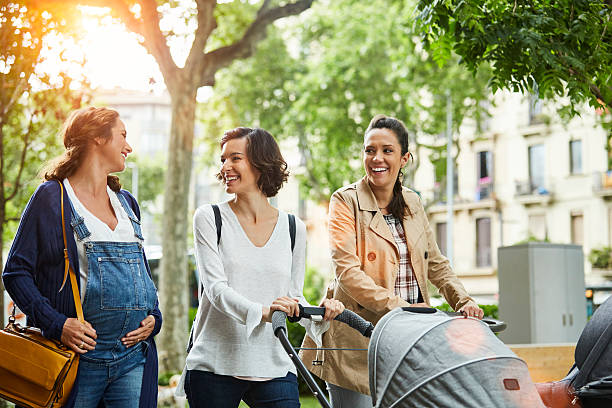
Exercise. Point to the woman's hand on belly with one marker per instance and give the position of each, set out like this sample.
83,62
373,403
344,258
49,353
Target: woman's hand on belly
80,337
140,334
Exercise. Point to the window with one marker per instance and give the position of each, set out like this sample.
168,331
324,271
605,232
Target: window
440,182
537,226
483,242
484,174
609,226
441,237
537,174
577,228
535,107
575,148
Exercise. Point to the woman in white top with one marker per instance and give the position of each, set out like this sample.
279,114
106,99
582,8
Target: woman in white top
247,272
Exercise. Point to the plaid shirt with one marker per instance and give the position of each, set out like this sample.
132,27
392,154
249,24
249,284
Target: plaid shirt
406,285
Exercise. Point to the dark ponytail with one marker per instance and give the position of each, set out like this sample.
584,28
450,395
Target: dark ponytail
397,206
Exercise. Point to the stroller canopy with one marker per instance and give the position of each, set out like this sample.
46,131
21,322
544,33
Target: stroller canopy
433,360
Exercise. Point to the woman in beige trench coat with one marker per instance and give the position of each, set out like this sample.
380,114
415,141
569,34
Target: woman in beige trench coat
384,252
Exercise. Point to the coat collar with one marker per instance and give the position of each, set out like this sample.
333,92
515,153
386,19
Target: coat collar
365,196
367,202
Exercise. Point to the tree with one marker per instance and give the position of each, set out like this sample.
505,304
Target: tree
223,33
555,48
350,67
32,107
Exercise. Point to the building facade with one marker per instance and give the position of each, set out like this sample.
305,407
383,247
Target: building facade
526,176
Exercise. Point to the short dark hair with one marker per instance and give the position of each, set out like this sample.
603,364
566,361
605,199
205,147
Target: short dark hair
397,206
264,155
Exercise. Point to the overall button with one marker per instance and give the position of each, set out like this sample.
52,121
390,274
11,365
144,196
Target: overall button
371,256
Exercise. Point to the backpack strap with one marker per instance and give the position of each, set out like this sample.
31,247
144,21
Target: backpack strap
292,230
218,221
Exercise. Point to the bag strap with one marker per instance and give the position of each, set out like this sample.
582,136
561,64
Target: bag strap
67,267
596,352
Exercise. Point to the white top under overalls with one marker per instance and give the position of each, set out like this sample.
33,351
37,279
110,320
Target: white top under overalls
100,231
238,279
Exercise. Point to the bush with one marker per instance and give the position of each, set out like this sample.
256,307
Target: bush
164,378
489,310
600,258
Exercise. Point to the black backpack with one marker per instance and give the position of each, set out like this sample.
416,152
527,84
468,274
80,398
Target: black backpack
219,224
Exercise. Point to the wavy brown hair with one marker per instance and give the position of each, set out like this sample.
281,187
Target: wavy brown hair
79,131
264,155
397,206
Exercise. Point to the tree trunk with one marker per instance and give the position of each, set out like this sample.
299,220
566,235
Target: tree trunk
173,283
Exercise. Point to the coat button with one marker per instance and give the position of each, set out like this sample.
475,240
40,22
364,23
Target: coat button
426,255
371,256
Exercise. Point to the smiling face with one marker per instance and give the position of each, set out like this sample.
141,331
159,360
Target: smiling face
116,148
382,157
236,171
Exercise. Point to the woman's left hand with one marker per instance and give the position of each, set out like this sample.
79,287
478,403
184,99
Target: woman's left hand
140,334
471,309
333,308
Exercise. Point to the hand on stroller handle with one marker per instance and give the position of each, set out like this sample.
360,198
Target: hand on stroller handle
351,318
365,327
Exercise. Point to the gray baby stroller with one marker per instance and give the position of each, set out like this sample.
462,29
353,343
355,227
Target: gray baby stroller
421,357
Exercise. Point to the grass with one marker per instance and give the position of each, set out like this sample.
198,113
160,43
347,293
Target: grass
306,401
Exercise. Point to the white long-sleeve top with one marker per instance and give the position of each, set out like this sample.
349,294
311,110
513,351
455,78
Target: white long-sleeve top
238,279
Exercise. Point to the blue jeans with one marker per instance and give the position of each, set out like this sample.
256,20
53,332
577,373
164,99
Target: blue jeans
208,390
117,383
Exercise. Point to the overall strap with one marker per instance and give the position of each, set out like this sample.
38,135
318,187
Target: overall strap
67,268
133,219
78,224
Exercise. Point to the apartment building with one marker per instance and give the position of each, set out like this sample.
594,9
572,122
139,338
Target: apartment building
528,175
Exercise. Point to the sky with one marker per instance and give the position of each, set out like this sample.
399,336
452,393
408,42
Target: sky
112,56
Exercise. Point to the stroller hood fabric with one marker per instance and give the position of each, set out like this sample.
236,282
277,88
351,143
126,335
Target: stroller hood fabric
433,360
589,337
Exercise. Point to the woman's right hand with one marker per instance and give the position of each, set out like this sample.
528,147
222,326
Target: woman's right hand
80,337
284,304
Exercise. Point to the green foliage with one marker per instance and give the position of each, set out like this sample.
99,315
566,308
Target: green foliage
531,238
562,46
489,310
601,257
164,378
341,70
34,104
151,178
314,285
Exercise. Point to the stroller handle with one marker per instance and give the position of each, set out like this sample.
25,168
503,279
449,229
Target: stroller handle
347,316
496,326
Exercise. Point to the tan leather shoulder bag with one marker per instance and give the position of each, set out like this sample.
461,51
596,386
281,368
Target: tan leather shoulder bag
34,371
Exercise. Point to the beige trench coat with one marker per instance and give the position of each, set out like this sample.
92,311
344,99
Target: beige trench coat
366,262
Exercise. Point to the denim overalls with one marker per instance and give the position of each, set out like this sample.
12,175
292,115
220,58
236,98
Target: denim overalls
119,295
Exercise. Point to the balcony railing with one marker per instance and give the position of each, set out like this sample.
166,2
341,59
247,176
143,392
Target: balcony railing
529,192
602,183
484,189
